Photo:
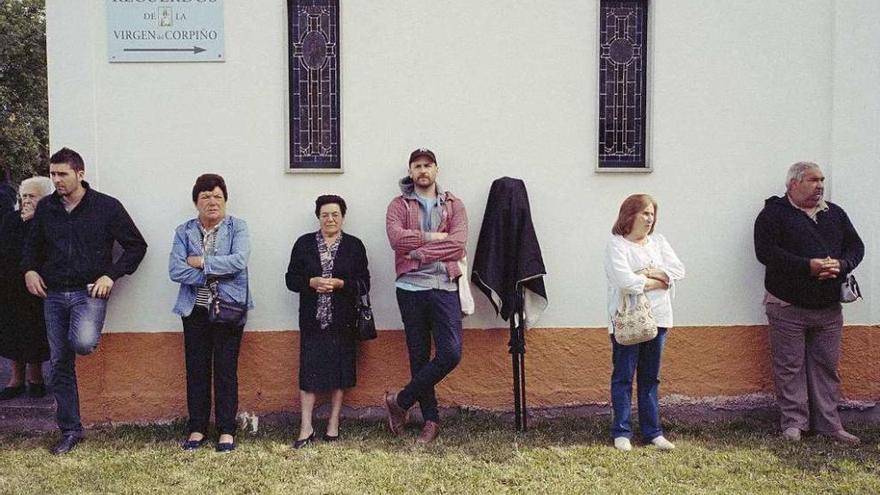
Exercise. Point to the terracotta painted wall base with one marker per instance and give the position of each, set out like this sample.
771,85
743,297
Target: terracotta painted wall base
140,376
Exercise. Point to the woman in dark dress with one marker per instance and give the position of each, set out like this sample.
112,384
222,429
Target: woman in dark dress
22,328
325,269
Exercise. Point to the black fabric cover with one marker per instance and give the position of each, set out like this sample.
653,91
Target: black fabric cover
508,252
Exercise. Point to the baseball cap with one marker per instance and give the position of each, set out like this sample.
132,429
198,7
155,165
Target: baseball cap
420,153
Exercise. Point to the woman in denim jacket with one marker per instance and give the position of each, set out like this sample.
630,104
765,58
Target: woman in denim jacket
209,259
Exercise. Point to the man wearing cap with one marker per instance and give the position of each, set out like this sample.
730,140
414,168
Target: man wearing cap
428,229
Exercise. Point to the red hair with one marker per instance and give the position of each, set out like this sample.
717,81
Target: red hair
631,207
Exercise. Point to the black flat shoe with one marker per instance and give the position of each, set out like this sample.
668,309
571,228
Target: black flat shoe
193,444
225,447
11,392
36,390
305,442
67,443
330,438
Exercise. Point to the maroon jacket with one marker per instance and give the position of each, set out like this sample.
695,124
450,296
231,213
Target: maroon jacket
403,225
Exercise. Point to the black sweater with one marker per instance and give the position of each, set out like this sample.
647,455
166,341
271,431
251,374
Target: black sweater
350,265
785,241
71,250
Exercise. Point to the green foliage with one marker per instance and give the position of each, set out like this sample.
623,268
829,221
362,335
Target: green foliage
475,453
24,105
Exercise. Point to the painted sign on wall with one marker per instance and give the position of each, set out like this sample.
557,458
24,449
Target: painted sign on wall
165,31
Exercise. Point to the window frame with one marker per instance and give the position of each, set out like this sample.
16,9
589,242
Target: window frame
648,166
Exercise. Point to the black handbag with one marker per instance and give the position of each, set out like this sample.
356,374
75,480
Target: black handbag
849,290
227,312
365,325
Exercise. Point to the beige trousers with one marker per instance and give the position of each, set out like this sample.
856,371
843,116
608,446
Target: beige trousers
805,350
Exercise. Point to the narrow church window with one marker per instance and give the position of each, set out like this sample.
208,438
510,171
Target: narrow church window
623,67
313,68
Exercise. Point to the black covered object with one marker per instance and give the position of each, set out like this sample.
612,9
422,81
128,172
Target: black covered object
508,268
508,254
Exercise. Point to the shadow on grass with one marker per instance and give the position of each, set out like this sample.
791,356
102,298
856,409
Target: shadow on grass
813,453
486,438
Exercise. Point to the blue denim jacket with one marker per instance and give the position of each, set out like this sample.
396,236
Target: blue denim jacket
229,264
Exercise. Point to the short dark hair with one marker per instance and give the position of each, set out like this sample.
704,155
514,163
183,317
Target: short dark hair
631,207
207,182
70,157
328,199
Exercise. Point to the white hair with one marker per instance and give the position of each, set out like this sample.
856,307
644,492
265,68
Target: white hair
43,185
797,171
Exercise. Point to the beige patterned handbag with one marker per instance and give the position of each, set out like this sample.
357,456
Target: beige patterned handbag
633,321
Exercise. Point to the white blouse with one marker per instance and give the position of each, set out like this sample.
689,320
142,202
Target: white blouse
623,258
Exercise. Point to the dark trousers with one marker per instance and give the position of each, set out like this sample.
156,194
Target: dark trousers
805,349
211,347
643,360
425,314
74,322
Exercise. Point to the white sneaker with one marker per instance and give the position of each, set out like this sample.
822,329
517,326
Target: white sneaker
622,443
792,434
662,443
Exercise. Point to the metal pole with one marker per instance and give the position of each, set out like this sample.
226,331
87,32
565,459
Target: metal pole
513,344
518,336
522,377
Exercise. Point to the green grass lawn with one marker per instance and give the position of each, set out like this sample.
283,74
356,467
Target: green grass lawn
475,453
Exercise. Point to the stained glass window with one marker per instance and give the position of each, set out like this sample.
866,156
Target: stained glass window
623,66
313,48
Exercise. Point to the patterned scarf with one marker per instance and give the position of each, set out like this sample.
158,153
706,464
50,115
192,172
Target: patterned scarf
328,255
205,294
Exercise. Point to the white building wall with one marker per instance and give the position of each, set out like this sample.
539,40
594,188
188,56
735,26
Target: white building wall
856,147
740,90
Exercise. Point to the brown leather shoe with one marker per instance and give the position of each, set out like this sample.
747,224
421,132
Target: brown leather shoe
429,432
845,437
396,414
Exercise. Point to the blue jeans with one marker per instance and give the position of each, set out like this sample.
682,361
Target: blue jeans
425,314
73,326
644,361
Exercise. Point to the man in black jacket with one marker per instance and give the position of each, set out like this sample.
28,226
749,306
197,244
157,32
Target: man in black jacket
68,261
808,245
